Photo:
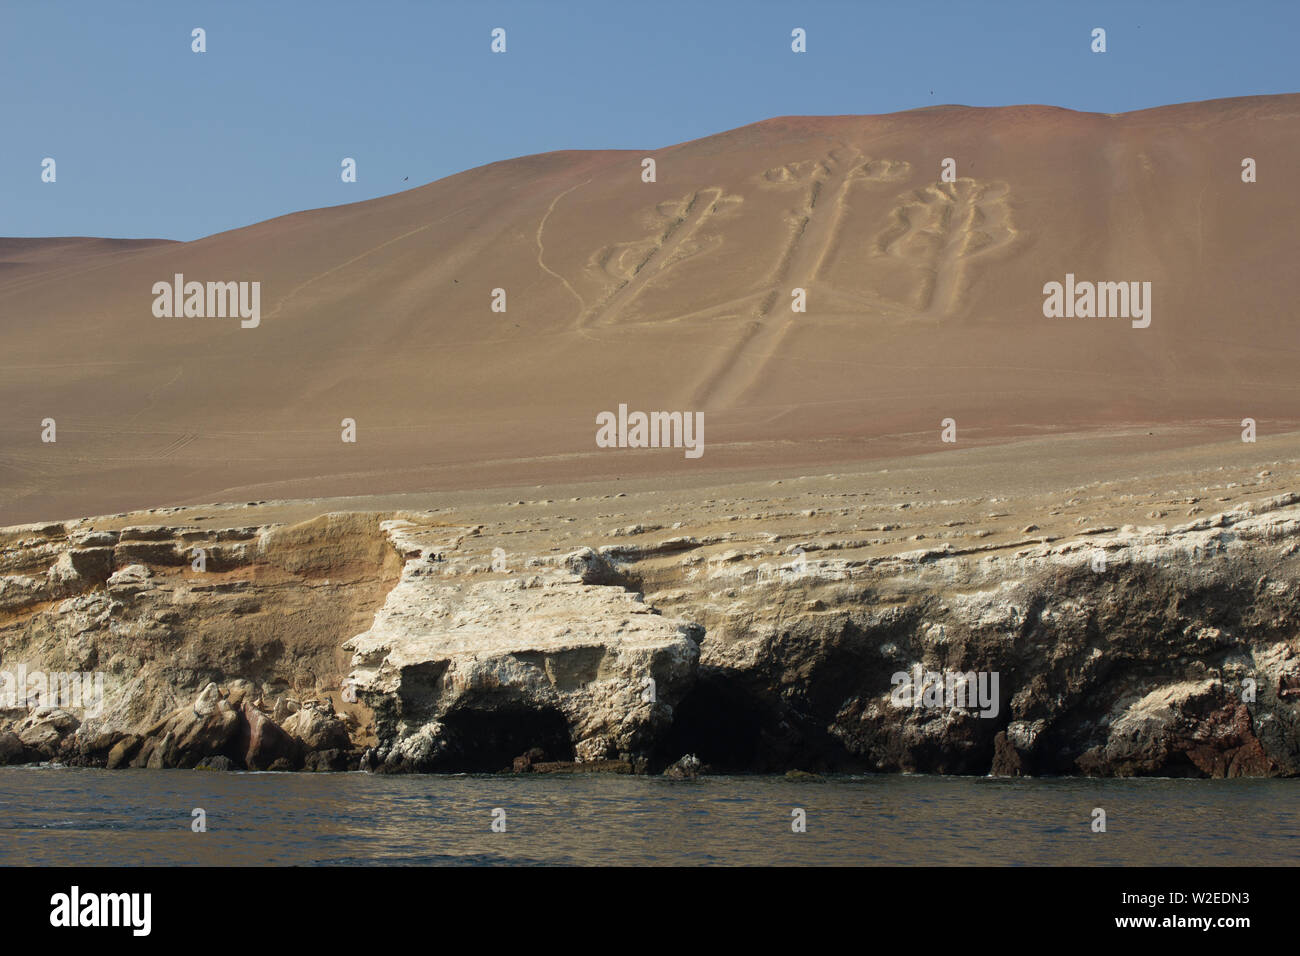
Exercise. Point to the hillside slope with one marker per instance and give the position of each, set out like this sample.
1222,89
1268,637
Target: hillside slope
924,301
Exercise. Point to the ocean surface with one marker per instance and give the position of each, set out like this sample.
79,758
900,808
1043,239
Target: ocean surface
66,816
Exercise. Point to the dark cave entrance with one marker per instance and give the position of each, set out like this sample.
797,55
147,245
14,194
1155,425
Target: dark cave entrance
736,727
719,722
487,741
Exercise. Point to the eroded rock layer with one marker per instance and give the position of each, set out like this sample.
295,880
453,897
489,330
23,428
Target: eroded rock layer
766,626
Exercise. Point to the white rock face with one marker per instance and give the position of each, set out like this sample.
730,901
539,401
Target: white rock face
481,633
490,642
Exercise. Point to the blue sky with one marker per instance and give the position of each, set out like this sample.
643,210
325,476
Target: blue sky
151,139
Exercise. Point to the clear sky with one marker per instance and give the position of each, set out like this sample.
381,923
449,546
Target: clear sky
151,139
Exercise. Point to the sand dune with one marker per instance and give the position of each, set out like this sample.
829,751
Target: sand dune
924,301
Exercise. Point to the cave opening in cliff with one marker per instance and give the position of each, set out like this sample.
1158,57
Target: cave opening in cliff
719,721
736,727
488,740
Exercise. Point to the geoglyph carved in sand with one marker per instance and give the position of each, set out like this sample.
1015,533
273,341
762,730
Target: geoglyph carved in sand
634,264
934,232
939,229
813,233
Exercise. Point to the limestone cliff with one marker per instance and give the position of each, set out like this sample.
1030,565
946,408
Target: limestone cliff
756,634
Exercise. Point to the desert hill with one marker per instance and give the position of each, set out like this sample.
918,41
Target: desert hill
924,302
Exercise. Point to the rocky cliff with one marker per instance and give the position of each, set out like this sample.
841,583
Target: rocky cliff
772,628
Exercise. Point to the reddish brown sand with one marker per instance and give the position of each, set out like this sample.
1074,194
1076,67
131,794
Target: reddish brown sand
925,302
